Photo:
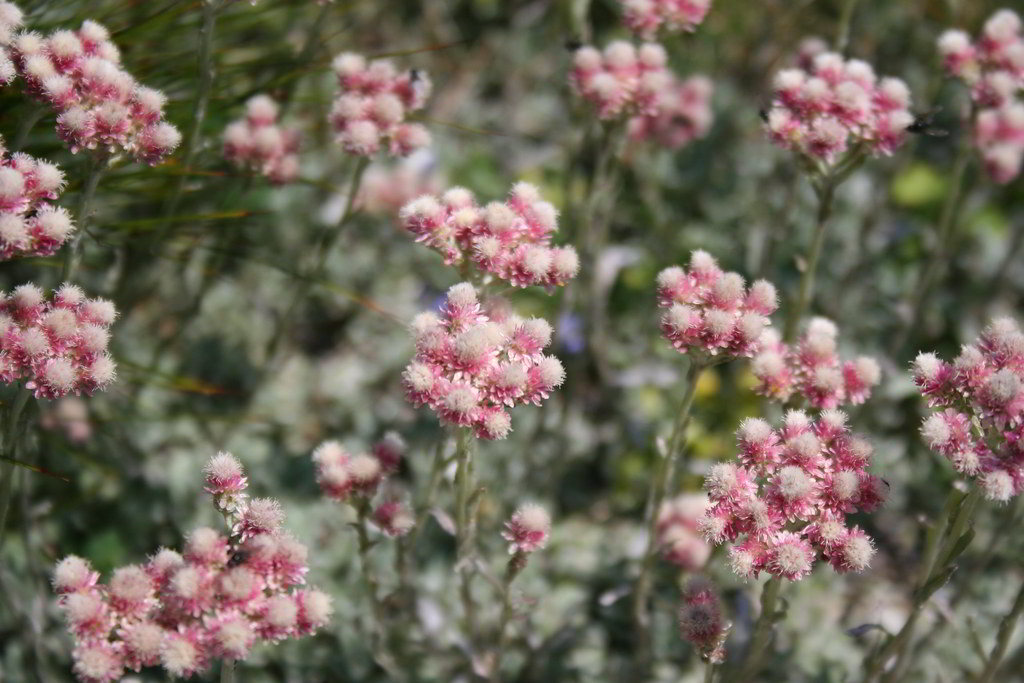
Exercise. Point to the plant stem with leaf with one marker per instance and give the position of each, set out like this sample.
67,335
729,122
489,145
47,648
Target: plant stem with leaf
763,630
465,528
515,565
664,475
945,541
1006,629
95,166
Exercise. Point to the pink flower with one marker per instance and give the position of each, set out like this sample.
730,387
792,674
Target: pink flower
258,143
678,533
528,529
812,369
99,105
791,499
469,367
700,619
369,115
58,347
29,224
510,240
977,402
394,518
219,600
712,314
829,105
631,82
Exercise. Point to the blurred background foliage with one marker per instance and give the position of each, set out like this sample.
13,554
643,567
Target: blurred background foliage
204,286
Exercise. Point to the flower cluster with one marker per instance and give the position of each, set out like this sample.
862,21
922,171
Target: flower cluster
59,346
789,496
215,600
10,21
679,534
712,314
511,240
835,105
384,190
257,142
646,17
978,402
993,67
29,224
626,81
370,111
99,104
812,369
470,365
343,476
700,619
528,529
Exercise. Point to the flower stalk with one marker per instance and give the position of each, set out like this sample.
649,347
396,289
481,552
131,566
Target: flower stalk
95,166
465,524
663,477
763,630
515,565
1006,629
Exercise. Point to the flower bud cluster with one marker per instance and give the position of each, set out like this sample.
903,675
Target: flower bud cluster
679,534
712,314
789,494
344,476
99,105
510,240
646,17
369,114
835,105
216,599
258,143
527,530
59,346
384,189
993,67
635,83
811,368
29,224
471,366
700,619
978,402
11,18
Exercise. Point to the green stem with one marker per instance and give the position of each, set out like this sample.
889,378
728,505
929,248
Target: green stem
1006,628
227,671
429,497
709,671
199,106
763,630
95,165
464,537
515,565
948,220
826,194
379,630
843,30
9,442
660,484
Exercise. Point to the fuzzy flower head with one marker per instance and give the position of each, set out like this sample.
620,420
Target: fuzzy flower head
99,106
58,346
678,531
646,17
180,611
370,113
635,84
469,368
992,65
701,622
258,143
977,402
30,225
832,106
712,314
812,369
528,528
785,504
509,240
